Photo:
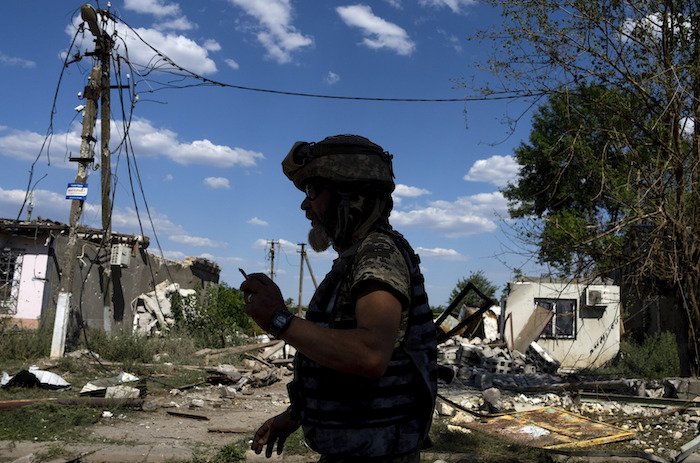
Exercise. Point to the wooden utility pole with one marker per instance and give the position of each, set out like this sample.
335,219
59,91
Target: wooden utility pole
103,50
301,275
308,265
304,258
98,85
69,256
272,259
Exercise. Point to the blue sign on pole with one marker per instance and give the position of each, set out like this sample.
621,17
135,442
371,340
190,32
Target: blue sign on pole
77,191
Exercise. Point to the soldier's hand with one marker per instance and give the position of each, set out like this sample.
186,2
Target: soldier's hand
276,429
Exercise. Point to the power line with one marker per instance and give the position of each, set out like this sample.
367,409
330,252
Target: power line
211,82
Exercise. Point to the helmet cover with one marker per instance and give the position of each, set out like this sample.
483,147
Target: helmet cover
340,159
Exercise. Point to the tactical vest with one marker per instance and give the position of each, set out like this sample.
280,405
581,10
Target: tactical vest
345,414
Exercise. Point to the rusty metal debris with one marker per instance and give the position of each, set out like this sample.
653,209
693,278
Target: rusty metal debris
550,428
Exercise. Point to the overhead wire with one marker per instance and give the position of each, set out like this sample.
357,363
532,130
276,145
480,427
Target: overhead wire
205,81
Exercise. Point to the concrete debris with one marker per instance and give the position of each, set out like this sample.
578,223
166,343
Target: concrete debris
228,371
122,392
485,365
152,311
492,400
682,388
98,388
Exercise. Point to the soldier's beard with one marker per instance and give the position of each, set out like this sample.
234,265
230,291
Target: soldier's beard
318,238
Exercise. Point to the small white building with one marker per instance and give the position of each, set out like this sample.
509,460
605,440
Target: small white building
576,321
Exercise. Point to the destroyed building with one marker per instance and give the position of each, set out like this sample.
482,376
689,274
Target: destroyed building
31,269
544,326
576,321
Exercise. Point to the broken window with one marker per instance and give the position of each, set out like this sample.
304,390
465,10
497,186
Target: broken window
10,266
563,324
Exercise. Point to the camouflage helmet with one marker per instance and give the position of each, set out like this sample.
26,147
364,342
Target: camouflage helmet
340,159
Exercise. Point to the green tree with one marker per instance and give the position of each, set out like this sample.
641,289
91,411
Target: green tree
573,180
472,299
629,73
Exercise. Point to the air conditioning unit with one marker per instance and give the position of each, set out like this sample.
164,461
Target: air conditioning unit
601,295
594,297
121,255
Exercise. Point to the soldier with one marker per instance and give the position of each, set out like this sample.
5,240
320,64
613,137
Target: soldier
365,380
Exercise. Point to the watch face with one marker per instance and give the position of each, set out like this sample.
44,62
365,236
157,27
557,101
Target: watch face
279,322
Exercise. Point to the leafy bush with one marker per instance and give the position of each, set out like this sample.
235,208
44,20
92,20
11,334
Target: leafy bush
656,357
211,316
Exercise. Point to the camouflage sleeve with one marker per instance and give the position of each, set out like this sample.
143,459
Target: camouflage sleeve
378,259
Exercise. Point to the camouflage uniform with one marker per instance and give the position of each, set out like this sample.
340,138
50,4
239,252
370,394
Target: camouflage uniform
344,414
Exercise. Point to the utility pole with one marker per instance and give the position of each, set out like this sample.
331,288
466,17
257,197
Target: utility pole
98,85
58,340
304,258
103,51
272,259
301,275
308,265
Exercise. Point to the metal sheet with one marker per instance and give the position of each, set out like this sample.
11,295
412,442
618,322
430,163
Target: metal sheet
550,428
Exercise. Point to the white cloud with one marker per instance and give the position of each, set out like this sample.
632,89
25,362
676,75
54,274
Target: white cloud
439,254
177,24
146,139
275,30
12,61
454,5
154,7
149,140
452,40
48,204
688,126
212,45
196,241
53,205
497,170
466,216
175,19
25,145
231,63
217,183
258,222
405,191
126,220
174,255
331,78
182,50
409,191
378,32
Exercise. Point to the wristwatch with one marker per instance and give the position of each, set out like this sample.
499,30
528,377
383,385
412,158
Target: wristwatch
280,322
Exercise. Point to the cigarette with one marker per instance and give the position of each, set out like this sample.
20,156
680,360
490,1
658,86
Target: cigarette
245,275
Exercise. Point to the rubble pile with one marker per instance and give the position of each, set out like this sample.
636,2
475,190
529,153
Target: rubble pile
483,365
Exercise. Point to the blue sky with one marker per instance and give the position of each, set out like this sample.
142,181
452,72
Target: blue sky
209,157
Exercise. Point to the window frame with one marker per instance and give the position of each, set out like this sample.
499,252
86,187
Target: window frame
563,309
11,260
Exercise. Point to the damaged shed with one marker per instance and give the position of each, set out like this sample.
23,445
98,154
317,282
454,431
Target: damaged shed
576,321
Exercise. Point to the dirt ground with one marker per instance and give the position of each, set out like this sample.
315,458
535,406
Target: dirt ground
161,433
195,423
